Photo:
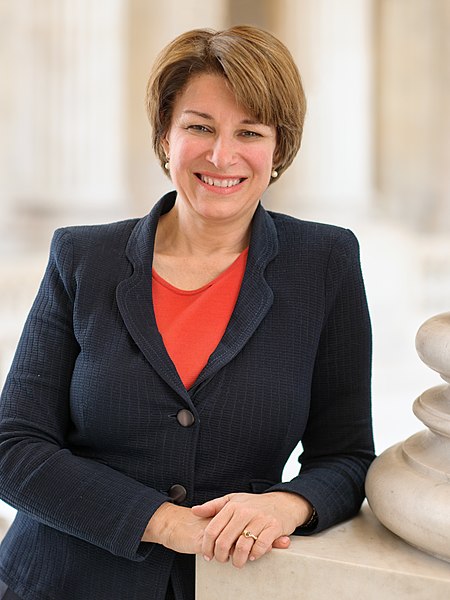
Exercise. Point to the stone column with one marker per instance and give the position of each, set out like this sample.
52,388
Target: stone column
331,41
408,485
413,111
67,141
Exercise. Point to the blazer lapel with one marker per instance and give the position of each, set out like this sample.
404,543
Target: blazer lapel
134,297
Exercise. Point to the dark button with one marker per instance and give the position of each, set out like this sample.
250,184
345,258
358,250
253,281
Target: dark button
178,493
185,418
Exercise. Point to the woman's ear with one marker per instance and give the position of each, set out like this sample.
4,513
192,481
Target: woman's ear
276,157
165,144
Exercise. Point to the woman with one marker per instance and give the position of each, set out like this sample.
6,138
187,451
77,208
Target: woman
148,414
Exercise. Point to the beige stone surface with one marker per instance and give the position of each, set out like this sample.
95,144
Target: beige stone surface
359,559
408,485
410,497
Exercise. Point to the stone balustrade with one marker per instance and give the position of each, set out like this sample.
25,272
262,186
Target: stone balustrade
356,560
408,486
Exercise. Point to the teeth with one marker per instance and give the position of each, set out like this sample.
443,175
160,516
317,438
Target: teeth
223,183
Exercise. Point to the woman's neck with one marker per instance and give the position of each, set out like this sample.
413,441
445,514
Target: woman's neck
180,234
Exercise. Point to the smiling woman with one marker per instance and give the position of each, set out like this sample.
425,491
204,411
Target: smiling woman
170,364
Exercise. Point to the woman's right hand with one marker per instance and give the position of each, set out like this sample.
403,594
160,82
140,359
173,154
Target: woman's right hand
177,528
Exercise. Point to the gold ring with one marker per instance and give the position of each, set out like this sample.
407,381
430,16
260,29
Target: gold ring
248,534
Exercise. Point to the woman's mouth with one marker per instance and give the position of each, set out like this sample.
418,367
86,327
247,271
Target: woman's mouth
220,182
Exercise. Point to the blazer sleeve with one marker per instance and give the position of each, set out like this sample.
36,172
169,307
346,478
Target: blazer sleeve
338,441
38,474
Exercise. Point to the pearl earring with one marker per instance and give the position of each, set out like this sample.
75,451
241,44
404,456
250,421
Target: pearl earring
166,164
274,174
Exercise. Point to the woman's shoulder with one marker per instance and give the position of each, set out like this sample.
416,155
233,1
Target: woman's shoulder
98,239
89,236
77,248
293,230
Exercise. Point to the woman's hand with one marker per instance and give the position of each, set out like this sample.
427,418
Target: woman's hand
177,528
270,517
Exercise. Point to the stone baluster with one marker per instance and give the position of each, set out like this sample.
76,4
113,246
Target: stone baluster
408,485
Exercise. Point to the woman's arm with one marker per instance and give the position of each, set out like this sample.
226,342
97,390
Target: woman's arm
338,442
38,474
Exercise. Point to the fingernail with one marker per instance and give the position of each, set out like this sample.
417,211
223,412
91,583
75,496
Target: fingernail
206,558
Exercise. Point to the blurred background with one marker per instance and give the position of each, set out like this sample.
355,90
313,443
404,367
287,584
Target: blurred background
75,148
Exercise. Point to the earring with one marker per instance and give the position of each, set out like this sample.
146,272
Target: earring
166,164
274,174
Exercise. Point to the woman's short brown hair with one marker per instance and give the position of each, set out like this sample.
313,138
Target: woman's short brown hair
259,69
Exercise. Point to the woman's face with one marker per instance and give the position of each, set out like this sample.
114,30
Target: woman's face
221,157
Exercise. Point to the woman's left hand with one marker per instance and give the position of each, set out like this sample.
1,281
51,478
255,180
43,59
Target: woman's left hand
270,517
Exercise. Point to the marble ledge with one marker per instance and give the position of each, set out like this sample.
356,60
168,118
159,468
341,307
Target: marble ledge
359,559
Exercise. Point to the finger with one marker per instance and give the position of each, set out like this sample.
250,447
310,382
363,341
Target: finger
225,530
210,508
249,548
248,538
211,548
265,542
282,542
243,547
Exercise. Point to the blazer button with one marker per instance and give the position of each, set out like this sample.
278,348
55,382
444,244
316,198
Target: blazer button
178,493
185,418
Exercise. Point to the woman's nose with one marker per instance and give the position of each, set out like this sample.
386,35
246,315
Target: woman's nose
223,152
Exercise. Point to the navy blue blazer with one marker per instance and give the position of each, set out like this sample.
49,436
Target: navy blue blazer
90,442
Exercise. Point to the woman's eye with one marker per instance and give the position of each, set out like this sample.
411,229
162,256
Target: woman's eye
200,128
250,134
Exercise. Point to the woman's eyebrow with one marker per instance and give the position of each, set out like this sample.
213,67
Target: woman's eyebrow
198,114
203,115
251,122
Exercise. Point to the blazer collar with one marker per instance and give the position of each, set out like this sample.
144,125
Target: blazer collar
134,297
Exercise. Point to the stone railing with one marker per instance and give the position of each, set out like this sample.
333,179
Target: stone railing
408,486
356,560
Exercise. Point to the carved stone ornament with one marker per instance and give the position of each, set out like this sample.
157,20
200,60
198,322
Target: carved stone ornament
408,485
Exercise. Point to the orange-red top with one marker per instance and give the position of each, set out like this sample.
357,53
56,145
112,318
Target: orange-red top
192,322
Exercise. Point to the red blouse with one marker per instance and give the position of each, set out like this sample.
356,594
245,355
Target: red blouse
192,322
